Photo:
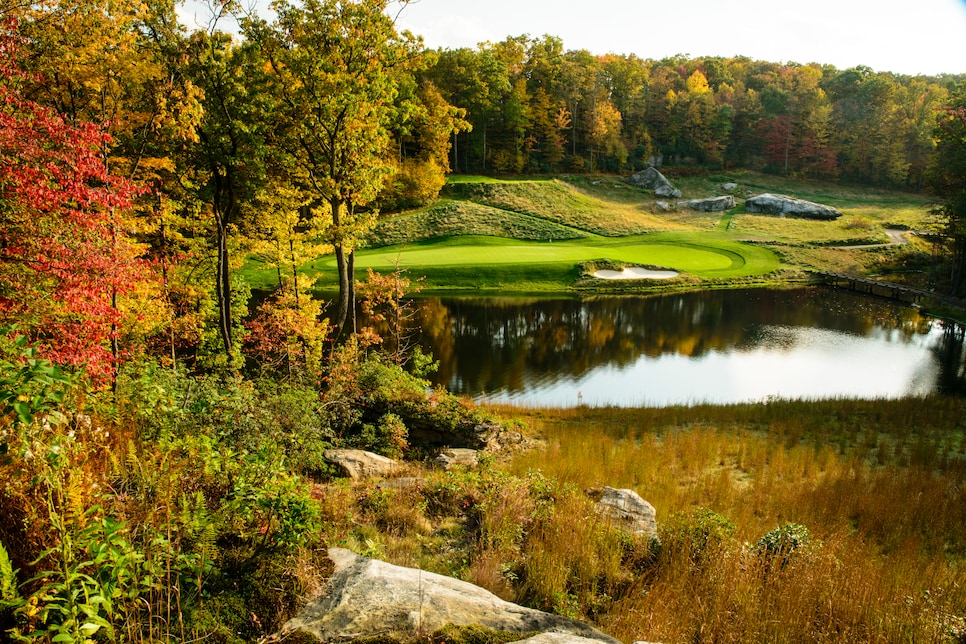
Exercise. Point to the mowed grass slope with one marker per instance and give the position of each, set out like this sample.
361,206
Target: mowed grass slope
533,235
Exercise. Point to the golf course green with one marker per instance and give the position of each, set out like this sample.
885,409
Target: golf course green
476,262
550,236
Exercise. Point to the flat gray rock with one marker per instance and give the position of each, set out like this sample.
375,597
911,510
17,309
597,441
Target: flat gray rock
457,457
367,597
711,204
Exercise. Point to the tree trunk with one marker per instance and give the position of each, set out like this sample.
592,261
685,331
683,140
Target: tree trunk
342,265
222,206
223,286
352,291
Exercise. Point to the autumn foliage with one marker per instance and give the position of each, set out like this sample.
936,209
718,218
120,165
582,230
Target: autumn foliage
63,259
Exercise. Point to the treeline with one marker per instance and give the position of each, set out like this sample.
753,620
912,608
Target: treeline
536,107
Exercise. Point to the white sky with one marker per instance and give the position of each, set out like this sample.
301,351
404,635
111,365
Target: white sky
918,37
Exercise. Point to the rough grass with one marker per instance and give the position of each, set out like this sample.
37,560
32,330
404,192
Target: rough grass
560,202
449,218
878,484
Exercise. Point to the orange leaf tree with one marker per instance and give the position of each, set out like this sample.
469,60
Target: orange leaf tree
62,256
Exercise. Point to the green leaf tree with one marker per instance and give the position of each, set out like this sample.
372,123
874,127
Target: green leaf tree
947,178
334,67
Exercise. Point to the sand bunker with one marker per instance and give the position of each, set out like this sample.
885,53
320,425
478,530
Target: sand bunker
635,273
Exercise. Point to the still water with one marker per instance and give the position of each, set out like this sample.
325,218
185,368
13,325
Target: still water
714,346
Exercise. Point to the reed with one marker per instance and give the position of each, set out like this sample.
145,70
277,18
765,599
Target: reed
879,485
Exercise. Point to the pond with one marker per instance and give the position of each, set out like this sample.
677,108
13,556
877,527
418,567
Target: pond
687,348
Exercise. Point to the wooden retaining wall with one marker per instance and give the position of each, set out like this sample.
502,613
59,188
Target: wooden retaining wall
889,290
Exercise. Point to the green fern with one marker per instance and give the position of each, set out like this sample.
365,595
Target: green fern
10,598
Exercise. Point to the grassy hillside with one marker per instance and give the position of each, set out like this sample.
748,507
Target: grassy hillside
540,235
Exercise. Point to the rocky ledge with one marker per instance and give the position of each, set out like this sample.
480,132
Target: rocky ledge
367,597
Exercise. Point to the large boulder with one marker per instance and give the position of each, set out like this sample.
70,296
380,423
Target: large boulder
358,464
366,597
654,180
783,206
711,204
628,511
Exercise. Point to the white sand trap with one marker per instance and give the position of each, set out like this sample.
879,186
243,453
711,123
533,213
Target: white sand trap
635,273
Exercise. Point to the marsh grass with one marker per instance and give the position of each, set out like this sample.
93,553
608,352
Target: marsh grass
879,485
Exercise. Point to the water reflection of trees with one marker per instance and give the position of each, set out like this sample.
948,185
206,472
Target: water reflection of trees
951,353
487,344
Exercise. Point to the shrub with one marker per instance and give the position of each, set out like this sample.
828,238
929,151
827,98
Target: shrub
696,533
375,404
782,542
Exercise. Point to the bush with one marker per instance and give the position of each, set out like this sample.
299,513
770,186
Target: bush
782,542
696,533
374,404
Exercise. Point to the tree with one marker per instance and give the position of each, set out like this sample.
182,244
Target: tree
334,67
227,157
61,253
947,179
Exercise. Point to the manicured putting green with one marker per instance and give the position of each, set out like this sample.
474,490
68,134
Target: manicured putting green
689,254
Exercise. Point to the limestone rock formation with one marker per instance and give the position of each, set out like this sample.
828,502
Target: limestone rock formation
731,186
457,456
367,597
711,204
781,205
654,180
358,464
628,511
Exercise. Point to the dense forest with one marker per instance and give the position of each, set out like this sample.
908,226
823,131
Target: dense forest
535,107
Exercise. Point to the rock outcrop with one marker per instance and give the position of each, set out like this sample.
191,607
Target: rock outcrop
654,180
457,457
488,436
368,597
628,511
783,206
358,464
711,204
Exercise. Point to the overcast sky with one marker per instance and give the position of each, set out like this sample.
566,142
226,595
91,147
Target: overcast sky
907,37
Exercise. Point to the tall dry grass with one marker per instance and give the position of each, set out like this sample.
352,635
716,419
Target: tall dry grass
878,484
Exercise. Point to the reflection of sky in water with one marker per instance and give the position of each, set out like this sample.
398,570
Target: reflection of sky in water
786,362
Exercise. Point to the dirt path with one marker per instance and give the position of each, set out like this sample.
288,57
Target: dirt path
896,238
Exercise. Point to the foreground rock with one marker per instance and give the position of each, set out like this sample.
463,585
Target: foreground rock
654,180
628,511
367,597
711,204
770,204
357,464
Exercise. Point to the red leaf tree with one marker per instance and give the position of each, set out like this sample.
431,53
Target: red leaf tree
63,258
